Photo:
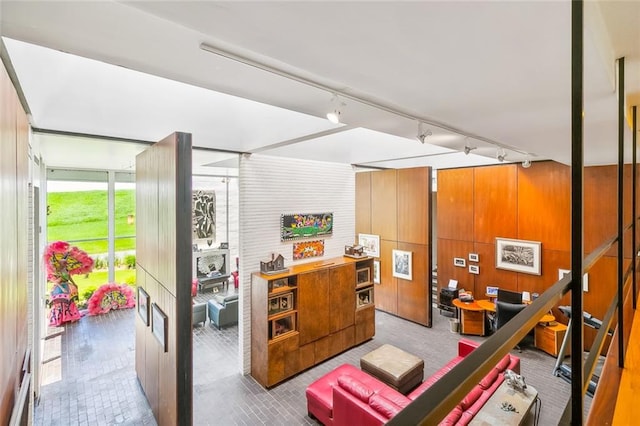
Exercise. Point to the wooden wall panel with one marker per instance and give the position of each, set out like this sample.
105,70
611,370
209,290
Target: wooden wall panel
313,303
495,207
13,244
363,203
164,254
414,205
544,205
384,220
552,260
447,250
386,292
414,297
455,204
489,274
342,297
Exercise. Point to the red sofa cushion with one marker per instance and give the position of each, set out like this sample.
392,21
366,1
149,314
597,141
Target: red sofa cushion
471,397
384,406
488,380
355,387
453,417
504,363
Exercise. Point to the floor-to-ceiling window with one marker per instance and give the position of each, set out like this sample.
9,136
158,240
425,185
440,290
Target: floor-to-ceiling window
95,211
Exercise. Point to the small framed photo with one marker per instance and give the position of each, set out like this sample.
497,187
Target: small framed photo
274,305
474,269
159,325
364,297
370,244
474,257
286,302
459,262
363,276
143,305
376,272
402,264
279,283
518,255
282,326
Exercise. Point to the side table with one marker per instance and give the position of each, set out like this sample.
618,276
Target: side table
471,316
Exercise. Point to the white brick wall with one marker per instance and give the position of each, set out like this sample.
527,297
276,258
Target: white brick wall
270,187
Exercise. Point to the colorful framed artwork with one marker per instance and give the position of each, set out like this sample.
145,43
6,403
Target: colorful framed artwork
402,264
518,255
370,244
303,225
305,249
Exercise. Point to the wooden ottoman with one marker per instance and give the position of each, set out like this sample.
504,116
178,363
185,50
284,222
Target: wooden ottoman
395,367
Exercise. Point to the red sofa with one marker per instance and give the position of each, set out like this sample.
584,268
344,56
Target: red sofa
349,396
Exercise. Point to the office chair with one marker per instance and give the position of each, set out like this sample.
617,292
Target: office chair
505,311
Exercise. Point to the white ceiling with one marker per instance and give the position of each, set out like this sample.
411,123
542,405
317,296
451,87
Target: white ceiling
493,70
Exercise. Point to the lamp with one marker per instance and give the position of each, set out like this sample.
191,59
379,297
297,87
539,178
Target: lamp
501,154
336,109
423,134
526,163
468,148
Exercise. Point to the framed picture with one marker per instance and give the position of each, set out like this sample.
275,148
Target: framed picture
204,214
518,255
402,264
282,326
159,325
363,276
376,272
279,283
459,262
474,257
286,302
474,269
370,243
303,225
143,305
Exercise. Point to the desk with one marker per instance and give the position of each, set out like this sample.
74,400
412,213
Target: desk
471,316
490,306
492,414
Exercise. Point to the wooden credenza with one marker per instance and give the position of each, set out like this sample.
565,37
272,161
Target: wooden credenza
308,314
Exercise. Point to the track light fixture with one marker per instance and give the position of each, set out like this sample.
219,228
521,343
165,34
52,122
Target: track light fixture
422,133
526,163
336,109
501,154
468,148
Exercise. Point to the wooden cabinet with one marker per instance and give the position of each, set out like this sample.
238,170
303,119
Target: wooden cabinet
308,314
549,338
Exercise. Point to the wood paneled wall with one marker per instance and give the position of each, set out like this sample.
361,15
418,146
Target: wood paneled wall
163,228
14,174
478,204
396,205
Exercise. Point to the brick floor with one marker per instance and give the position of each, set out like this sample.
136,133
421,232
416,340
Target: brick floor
93,381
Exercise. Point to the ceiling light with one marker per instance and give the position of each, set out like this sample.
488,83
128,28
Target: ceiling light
526,163
423,134
336,109
501,154
468,148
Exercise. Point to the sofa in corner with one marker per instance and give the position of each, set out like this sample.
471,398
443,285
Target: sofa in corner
350,396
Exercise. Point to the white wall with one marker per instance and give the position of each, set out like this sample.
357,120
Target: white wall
272,186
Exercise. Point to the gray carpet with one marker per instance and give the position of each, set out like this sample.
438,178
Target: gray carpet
97,383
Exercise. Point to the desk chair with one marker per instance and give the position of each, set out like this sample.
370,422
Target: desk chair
505,311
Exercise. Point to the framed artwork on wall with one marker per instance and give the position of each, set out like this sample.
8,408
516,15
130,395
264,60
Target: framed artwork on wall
474,257
459,262
303,225
204,215
143,305
518,255
305,249
370,243
376,272
159,325
402,264
474,269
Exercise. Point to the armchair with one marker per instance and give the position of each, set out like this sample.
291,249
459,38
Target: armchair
199,313
223,310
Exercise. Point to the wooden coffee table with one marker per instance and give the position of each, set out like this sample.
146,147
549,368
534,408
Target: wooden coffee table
492,412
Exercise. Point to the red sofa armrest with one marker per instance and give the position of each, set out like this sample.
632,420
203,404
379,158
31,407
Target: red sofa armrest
466,346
